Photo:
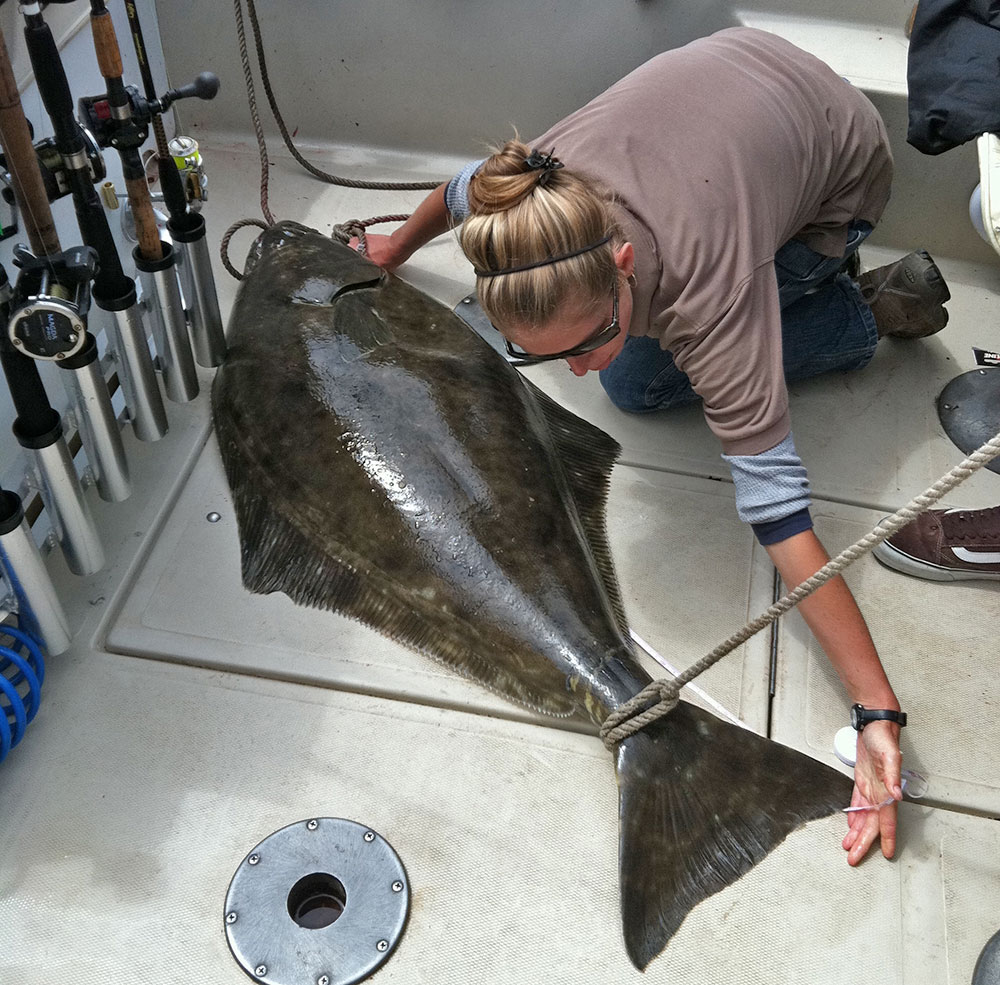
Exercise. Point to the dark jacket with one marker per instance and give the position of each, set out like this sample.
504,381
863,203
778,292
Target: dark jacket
953,73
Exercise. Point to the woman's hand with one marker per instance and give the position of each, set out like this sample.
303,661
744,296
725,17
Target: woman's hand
430,219
877,787
380,250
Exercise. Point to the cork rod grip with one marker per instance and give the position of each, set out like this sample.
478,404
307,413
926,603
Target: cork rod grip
148,235
106,44
29,189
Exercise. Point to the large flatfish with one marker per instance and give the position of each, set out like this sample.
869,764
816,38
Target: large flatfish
387,464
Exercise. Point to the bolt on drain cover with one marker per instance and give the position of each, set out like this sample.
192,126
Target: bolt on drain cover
320,902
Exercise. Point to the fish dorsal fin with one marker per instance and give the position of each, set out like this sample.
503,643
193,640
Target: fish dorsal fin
588,455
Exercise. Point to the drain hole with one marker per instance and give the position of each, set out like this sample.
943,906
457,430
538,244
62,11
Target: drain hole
317,900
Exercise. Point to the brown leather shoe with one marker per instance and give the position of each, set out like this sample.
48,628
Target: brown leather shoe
907,297
946,545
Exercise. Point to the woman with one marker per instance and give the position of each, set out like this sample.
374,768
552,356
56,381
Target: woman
686,234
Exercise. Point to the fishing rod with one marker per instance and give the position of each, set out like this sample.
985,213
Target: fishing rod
112,289
186,226
154,258
38,429
52,296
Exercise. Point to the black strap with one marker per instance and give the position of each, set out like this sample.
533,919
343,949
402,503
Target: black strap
866,715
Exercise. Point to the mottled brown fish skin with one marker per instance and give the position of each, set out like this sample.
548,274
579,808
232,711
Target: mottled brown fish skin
398,442
387,464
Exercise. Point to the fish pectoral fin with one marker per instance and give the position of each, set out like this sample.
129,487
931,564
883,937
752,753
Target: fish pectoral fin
700,803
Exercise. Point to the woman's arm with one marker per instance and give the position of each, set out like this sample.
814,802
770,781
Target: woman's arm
430,219
836,622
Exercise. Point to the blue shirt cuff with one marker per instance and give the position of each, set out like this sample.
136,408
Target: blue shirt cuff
456,194
775,531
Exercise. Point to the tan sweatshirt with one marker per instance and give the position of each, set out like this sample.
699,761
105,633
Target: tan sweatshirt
720,152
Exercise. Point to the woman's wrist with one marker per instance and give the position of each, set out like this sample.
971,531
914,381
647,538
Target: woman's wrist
878,701
399,251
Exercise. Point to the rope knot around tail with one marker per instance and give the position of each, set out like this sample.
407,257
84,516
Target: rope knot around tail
655,700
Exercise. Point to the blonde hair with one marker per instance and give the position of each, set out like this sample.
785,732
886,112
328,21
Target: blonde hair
520,216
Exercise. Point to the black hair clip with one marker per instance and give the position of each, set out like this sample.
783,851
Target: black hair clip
546,163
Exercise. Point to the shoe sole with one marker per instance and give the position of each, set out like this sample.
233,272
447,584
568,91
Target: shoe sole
920,328
896,559
934,278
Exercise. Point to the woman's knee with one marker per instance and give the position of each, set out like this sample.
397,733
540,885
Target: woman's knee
622,391
629,379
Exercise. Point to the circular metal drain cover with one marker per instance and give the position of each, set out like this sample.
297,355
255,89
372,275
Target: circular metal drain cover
321,902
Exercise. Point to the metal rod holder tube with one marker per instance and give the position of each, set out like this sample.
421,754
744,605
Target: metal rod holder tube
102,439
136,373
194,267
170,336
39,610
68,511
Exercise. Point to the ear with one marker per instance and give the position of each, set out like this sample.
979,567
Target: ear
625,259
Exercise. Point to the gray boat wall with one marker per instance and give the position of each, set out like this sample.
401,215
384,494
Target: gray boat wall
449,76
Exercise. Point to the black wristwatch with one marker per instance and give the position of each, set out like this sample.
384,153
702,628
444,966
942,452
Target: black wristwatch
862,716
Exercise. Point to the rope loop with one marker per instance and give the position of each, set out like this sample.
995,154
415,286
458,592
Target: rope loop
224,245
343,231
656,699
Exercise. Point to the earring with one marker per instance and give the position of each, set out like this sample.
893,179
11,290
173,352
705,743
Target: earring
630,280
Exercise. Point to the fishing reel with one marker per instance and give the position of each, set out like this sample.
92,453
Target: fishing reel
8,207
96,114
53,168
191,167
50,302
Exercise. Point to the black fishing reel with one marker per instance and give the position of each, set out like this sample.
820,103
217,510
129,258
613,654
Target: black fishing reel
96,115
53,168
50,302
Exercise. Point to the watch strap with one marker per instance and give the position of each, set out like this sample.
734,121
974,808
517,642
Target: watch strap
865,716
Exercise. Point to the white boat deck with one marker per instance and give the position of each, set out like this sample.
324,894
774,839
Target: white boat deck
190,719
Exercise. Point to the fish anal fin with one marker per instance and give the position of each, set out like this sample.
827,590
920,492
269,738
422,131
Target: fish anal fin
700,803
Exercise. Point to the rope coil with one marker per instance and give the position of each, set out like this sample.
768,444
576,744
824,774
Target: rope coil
356,226
635,714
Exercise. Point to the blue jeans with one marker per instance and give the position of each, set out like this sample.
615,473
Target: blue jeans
825,325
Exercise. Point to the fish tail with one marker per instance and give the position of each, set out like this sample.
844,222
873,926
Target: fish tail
700,803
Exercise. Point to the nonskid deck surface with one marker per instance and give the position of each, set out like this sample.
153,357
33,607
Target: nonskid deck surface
145,781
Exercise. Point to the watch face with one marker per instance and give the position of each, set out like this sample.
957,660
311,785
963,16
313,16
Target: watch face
856,721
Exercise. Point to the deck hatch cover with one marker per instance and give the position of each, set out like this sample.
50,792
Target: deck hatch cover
320,902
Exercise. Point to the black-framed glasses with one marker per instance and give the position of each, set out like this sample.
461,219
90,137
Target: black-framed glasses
602,337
